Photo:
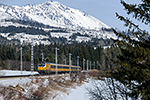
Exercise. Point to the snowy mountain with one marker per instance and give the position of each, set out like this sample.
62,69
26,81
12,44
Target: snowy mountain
50,22
52,13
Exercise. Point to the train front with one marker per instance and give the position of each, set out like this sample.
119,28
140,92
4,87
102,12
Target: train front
41,68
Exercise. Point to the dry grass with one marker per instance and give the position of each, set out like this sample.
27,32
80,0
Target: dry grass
97,74
40,88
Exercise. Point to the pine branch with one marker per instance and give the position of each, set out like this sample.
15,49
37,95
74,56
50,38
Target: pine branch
140,11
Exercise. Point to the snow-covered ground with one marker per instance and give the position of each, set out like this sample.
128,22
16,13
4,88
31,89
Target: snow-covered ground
58,87
80,92
44,39
75,91
15,72
27,38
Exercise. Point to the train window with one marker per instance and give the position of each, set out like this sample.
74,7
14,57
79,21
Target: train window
41,64
53,66
58,66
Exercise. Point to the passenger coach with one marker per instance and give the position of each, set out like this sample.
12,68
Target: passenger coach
50,68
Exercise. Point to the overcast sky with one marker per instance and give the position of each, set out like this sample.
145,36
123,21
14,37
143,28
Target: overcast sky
104,10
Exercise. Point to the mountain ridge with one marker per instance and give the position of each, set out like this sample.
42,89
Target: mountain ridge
52,13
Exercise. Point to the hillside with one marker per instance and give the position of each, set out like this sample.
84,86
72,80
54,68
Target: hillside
49,23
52,13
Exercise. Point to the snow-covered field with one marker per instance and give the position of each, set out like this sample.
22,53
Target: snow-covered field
61,86
43,39
15,72
80,92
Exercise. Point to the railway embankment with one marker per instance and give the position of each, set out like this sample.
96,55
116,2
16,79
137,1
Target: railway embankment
49,87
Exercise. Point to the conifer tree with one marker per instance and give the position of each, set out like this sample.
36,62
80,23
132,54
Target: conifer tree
134,70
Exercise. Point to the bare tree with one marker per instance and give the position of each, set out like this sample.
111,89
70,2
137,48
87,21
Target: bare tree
108,89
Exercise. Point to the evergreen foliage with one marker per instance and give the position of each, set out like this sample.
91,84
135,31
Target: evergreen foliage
28,30
7,52
100,56
134,70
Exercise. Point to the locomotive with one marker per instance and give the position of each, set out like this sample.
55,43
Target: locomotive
50,68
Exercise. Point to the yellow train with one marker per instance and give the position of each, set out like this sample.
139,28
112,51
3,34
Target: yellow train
50,68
